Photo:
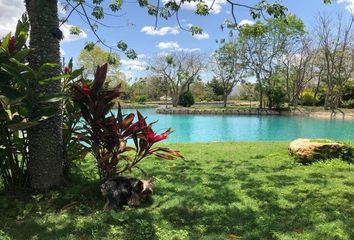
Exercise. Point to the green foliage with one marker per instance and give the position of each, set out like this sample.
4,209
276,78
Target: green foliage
348,91
90,59
202,9
195,30
122,45
348,103
116,5
186,99
75,30
307,98
97,12
276,96
141,99
347,153
216,87
17,104
72,149
169,59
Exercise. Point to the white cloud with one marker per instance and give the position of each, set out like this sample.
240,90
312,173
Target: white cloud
150,30
128,74
246,22
61,8
133,64
168,45
174,46
204,35
188,49
142,56
11,11
65,28
349,3
62,52
216,5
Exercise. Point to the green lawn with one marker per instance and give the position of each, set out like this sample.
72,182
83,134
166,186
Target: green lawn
222,191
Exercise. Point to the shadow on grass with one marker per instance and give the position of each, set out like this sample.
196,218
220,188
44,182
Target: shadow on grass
259,197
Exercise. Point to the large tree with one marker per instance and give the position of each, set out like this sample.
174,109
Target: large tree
228,67
336,53
179,70
298,67
45,139
89,59
263,46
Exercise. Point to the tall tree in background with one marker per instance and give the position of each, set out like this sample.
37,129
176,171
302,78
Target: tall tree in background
298,67
336,50
89,59
228,67
178,70
263,46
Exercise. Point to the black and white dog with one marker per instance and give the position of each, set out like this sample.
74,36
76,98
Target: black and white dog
120,191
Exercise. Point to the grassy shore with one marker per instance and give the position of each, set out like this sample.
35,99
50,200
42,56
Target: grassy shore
233,190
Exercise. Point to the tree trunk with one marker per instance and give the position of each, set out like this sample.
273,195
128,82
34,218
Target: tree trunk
260,98
316,91
45,140
175,99
225,99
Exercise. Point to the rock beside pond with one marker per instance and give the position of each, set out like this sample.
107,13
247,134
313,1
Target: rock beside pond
310,150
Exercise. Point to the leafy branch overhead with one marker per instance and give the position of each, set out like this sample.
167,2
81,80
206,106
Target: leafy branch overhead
94,13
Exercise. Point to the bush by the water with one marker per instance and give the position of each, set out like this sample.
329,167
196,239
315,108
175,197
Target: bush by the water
141,99
307,98
186,99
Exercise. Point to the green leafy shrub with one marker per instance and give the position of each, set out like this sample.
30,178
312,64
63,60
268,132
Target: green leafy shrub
186,99
348,103
347,153
307,98
141,99
17,104
277,96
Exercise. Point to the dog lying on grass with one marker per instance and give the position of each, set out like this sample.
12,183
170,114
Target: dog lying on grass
120,191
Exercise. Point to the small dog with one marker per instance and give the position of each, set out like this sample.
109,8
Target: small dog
120,191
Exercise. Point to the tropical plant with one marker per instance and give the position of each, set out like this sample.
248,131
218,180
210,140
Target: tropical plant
106,134
20,108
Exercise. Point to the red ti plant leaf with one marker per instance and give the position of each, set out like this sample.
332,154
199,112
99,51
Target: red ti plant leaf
167,150
164,156
107,134
100,77
127,121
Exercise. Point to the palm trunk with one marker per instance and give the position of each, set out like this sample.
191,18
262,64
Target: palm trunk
45,140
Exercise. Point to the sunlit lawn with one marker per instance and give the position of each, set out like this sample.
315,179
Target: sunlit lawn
222,191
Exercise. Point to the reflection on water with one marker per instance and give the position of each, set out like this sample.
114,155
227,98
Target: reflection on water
203,128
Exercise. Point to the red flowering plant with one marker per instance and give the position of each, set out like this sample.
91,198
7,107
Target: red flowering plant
107,134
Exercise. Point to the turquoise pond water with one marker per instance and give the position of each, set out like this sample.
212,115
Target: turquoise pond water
206,128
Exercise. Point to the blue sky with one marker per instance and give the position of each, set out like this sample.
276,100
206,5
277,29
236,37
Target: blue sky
136,28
